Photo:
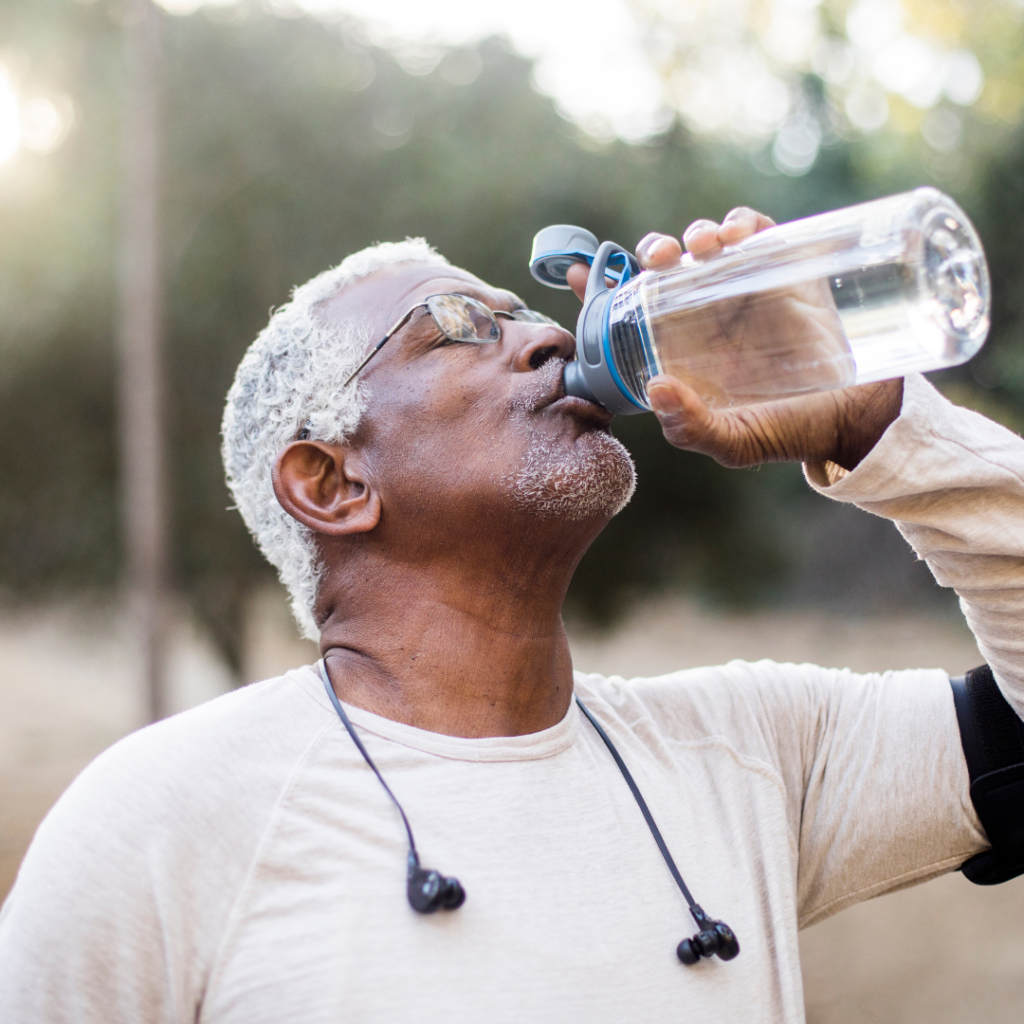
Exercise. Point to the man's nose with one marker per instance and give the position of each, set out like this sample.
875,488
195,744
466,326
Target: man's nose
538,343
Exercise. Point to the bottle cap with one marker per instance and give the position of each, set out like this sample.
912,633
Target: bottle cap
556,248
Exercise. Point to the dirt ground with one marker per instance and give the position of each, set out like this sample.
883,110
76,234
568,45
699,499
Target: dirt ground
943,953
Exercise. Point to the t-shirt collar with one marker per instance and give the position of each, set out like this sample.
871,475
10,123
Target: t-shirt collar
531,747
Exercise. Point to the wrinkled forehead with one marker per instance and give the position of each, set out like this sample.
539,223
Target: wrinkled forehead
381,298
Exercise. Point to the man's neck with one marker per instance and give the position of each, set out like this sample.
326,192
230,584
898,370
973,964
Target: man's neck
458,650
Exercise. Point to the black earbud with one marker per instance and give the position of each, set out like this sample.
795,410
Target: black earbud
429,890
715,938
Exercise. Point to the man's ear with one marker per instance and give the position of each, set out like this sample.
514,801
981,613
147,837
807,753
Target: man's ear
323,486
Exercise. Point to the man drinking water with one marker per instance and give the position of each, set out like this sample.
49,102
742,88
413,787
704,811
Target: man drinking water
426,509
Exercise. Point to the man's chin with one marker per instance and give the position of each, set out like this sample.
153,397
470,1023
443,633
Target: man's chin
591,478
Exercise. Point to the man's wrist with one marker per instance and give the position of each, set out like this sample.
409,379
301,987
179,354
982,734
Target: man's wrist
867,416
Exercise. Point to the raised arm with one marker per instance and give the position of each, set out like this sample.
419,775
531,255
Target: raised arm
878,784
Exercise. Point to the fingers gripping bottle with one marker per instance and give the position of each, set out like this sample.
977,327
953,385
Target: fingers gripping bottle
871,292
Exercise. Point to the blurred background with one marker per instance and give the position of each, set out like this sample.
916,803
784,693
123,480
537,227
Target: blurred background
169,173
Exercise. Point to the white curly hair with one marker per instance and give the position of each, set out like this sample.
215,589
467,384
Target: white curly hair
290,381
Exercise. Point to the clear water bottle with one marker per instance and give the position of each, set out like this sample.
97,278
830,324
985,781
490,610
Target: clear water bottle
863,294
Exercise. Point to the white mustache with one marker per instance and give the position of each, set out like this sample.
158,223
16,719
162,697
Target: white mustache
545,387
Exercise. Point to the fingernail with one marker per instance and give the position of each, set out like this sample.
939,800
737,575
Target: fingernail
664,400
646,244
698,227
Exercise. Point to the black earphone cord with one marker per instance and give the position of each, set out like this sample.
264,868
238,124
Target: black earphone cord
429,890
413,852
696,910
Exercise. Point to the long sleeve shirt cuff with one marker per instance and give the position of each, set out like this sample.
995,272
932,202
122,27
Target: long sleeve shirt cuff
953,483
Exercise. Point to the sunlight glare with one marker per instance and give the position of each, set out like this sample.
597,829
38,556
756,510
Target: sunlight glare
589,57
964,77
182,7
724,67
44,125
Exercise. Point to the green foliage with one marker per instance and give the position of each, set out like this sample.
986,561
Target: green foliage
1000,213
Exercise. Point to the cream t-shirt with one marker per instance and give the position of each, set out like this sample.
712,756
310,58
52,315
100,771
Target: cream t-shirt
240,864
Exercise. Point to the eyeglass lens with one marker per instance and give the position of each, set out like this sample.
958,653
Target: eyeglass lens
531,316
462,318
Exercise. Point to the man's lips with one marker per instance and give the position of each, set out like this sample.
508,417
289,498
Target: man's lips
581,409
549,394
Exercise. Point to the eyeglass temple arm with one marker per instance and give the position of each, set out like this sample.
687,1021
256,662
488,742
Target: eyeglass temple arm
380,344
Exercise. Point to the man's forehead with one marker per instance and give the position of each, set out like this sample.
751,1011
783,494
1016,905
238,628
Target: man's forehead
385,295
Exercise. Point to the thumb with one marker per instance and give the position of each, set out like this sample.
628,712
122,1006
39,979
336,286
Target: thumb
576,277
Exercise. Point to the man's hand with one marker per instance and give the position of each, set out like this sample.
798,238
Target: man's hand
840,426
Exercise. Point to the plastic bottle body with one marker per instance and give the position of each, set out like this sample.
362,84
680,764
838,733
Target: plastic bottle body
874,291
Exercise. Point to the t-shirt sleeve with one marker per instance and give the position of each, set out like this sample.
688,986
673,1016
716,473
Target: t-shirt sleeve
879,790
125,893
875,784
85,934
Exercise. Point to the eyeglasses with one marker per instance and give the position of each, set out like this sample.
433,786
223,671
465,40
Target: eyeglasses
459,318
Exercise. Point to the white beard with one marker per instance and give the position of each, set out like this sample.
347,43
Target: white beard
594,478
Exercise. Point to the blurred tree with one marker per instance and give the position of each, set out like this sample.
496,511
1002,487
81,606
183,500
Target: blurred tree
994,381
804,75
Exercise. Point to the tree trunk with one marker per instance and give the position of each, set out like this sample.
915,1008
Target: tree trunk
143,489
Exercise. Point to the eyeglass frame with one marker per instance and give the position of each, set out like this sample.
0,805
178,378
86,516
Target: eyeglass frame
496,313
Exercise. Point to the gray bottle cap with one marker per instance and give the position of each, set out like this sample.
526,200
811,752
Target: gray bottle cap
556,249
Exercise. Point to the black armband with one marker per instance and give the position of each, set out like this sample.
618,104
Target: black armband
993,740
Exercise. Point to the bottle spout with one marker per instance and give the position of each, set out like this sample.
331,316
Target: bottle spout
576,383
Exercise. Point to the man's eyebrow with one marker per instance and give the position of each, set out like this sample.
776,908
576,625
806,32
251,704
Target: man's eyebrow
515,302
486,298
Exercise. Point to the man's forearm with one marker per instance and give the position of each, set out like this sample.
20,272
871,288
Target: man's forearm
953,482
